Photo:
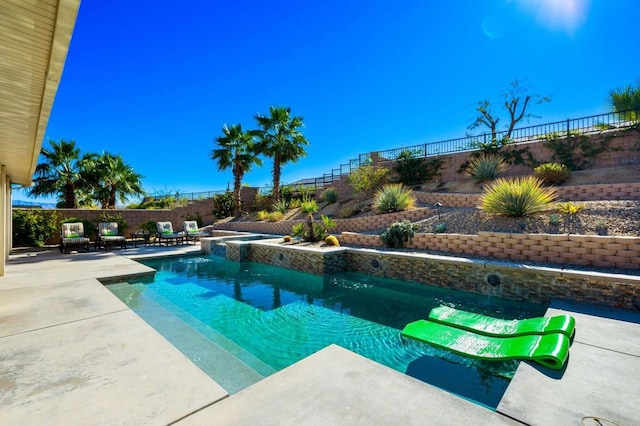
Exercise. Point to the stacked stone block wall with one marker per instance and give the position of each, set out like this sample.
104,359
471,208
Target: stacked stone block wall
562,249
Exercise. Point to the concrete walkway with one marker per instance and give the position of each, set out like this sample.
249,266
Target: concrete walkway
72,353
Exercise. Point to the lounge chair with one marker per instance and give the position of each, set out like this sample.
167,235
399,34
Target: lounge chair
72,235
108,235
165,234
191,231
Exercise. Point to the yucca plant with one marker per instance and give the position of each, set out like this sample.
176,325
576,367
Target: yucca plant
330,195
280,206
516,197
486,167
394,198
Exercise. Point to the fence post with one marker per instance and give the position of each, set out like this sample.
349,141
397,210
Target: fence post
568,124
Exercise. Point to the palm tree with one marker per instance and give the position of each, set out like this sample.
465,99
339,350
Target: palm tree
111,180
626,98
238,152
59,173
279,137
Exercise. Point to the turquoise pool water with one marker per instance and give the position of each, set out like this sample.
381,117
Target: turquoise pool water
270,318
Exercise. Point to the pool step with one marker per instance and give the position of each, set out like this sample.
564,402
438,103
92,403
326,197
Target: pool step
209,352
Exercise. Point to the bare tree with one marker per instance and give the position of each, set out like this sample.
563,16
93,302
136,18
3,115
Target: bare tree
516,99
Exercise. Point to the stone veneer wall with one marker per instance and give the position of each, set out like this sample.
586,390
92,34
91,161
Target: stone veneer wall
488,278
564,249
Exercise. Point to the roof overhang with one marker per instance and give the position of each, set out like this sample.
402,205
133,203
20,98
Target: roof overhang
34,40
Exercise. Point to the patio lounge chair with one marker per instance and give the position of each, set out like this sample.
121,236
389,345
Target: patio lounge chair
72,235
191,231
108,235
165,234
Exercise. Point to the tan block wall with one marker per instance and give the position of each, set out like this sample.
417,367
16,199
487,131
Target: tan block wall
562,249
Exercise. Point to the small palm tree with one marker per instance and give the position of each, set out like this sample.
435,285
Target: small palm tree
237,150
279,137
59,173
111,180
627,99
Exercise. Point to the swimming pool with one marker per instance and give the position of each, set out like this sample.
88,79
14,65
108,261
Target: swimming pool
269,318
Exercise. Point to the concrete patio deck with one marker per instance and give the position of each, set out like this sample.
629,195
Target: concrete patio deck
72,353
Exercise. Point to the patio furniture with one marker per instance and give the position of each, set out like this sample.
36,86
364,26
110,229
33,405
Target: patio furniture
191,231
108,235
72,235
140,236
165,234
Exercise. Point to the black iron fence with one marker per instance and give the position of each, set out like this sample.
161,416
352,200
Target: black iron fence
593,124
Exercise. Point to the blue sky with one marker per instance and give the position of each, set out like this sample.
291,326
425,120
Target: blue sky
156,81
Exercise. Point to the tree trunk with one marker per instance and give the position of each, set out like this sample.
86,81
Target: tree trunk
276,178
237,185
69,196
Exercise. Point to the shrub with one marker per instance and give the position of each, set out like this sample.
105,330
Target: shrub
34,227
298,229
399,233
262,202
280,206
368,178
554,220
262,215
295,203
414,170
552,173
106,217
150,226
274,217
486,167
331,241
330,195
223,205
440,228
394,198
516,197
569,208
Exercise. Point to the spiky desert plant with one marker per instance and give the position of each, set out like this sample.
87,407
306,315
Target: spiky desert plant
486,167
394,198
330,195
516,197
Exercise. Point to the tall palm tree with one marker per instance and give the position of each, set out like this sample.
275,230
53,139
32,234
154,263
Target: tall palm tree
626,98
112,180
238,152
59,173
279,137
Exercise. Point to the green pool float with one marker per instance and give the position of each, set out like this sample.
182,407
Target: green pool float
490,326
550,350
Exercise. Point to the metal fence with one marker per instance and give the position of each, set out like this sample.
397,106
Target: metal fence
593,124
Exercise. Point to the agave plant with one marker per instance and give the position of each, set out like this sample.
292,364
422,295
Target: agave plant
394,198
516,197
486,167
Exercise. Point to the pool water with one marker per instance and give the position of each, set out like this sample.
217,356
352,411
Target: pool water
271,317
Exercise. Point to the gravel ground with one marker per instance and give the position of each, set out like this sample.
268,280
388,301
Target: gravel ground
595,218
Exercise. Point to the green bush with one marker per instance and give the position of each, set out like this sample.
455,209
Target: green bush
330,195
393,198
440,228
106,217
33,227
150,226
516,197
399,233
224,205
552,173
486,167
280,206
368,178
414,170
